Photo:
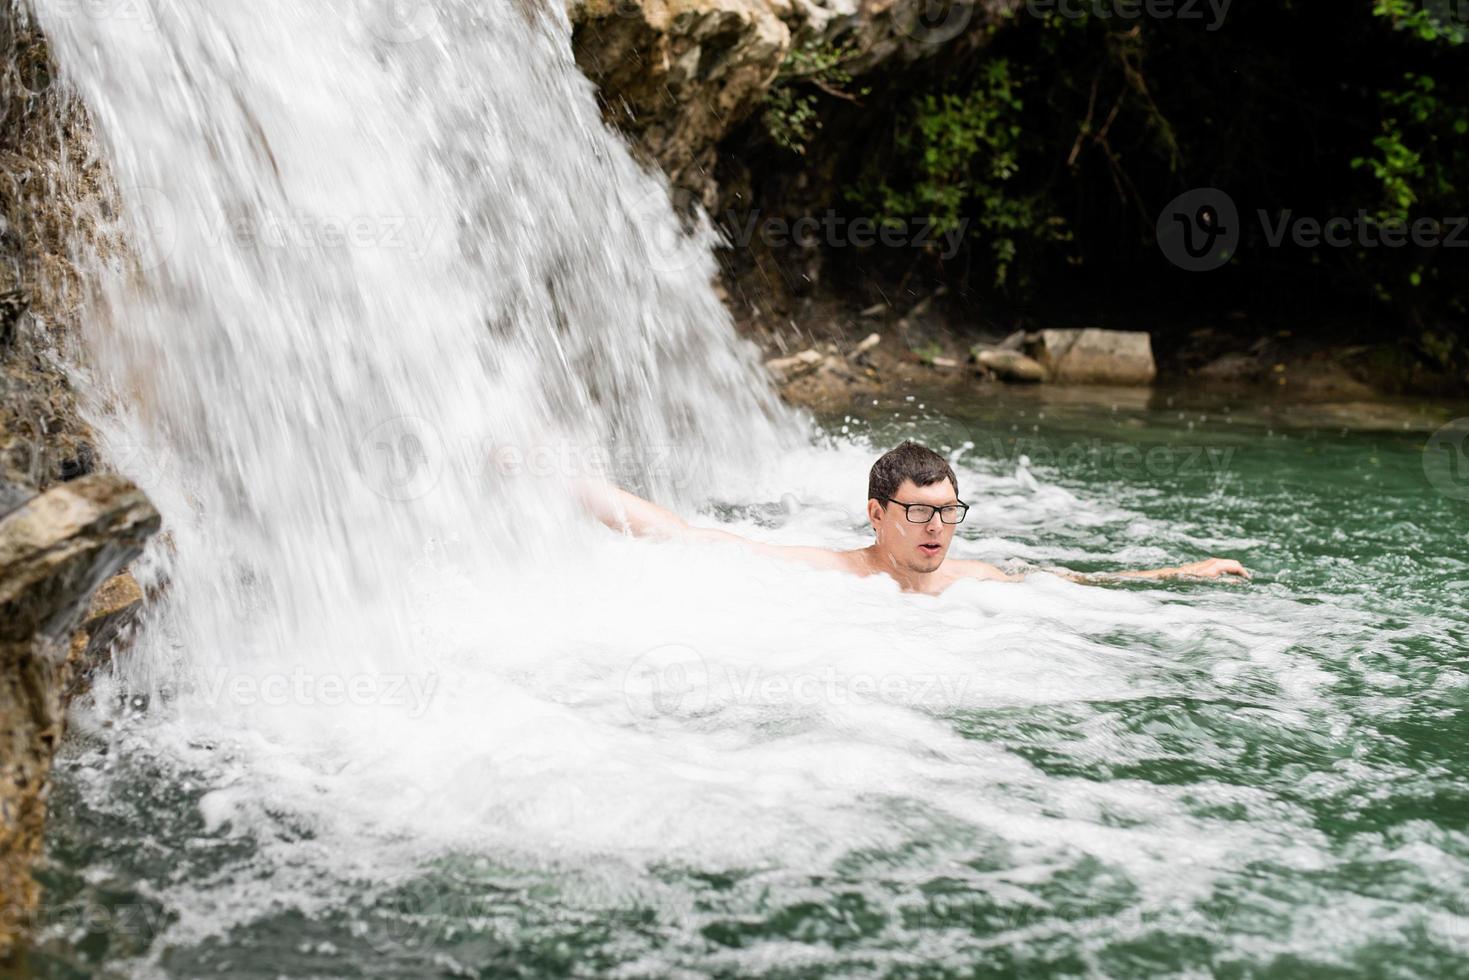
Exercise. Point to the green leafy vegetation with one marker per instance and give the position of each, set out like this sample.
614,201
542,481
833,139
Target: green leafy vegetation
1419,158
1054,144
810,67
954,154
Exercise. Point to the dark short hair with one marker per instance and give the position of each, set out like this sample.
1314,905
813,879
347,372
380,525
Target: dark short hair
910,461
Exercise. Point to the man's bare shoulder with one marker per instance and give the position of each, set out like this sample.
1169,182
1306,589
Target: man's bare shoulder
845,561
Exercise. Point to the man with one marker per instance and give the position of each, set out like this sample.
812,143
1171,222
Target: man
913,504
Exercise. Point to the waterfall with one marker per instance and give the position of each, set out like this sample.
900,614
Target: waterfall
390,278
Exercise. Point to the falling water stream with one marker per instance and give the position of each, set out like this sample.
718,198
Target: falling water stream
403,710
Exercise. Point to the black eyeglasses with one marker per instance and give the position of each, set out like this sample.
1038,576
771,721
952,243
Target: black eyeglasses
923,513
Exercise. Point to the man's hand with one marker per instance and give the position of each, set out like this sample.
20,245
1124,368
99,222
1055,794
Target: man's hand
1208,568
1212,568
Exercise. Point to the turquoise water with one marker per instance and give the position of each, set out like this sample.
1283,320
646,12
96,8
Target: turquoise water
1178,779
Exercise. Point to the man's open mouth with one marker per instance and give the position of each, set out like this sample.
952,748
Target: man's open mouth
932,549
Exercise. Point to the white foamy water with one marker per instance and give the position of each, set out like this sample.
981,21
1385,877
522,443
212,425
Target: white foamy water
394,285
386,265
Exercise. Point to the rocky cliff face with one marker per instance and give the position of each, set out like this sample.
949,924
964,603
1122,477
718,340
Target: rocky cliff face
42,437
675,75
63,529
679,76
55,549
761,111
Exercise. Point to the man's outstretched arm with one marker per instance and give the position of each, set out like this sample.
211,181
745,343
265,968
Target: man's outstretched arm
1208,568
622,511
631,514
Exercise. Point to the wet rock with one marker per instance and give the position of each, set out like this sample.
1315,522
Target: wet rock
1016,341
13,305
47,154
1232,367
1010,365
55,549
784,369
832,382
864,345
1093,356
676,75
111,615
12,496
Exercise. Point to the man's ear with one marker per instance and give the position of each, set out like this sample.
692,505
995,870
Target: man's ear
874,510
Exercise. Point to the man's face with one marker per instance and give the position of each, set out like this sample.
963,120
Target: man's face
916,547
